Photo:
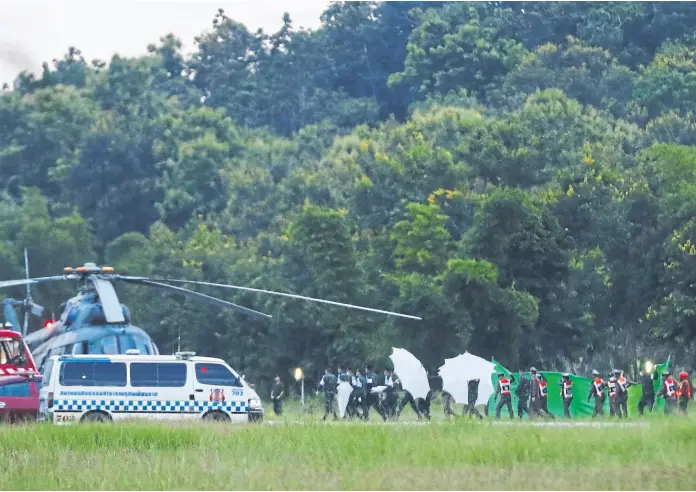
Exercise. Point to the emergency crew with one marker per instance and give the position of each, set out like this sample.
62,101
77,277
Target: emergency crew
621,400
470,408
684,392
566,393
447,401
543,405
611,388
533,393
355,399
328,383
522,393
371,399
391,393
597,391
277,394
503,390
668,390
647,400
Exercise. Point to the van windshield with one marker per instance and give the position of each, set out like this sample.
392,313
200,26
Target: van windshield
10,350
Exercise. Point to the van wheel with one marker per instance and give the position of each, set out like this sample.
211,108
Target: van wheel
95,417
216,417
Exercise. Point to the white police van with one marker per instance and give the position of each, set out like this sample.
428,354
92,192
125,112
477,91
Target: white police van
80,388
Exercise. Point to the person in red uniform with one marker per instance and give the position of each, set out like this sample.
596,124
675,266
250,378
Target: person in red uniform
544,398
668,390
611,389
684,392
504,391
597,391
566,393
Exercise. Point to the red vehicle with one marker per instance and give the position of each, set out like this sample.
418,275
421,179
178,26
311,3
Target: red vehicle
15,357
19,398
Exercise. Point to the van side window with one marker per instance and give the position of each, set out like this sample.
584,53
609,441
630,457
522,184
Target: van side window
93,374
163,375
216,375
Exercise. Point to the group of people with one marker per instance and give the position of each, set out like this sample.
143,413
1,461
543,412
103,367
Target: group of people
531,392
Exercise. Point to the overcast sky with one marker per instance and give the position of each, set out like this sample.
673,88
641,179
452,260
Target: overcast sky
33,31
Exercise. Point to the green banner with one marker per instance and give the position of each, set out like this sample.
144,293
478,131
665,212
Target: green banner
579,408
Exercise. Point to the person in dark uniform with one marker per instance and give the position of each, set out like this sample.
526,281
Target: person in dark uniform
647,400
447,402
359,394
277,394
566,393
371,399
470,409
522,392
351,408
391,393
328,383
533,393
504,391
597,391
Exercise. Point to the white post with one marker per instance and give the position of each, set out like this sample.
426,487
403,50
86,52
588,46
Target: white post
302,392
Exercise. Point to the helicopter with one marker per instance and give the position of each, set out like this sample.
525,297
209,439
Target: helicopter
95,321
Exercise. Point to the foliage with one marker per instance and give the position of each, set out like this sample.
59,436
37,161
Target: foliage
521,175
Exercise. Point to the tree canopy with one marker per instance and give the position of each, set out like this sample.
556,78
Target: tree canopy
520,174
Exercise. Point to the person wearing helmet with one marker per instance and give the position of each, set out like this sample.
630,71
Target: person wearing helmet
504,391
647,400
597,391
621,399
684,392
566,393
668,391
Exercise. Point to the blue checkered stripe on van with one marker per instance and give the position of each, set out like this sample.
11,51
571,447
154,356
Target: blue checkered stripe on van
149,406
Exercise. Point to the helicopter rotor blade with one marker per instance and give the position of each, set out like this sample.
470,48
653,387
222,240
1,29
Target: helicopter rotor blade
293,296
191,293
24,281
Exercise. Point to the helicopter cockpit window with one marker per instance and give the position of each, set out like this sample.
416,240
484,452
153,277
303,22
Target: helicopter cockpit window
109,345
216,374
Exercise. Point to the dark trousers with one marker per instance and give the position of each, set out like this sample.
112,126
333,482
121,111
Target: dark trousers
390,403
566,407
522,407
598,406
470,410
277,406
372,400
621,407
447,401
328,406
505,400
544,408
670,406
684,406
612,406
420,408
646,401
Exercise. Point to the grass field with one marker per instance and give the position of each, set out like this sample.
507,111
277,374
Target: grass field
462,454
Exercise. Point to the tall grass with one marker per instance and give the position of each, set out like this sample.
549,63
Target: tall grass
459,455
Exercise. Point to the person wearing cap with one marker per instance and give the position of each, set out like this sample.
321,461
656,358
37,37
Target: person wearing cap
684,392
668,390
566,393
597,391
504,391
621,400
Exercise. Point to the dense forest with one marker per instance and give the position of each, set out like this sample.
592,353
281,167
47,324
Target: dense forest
521,175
